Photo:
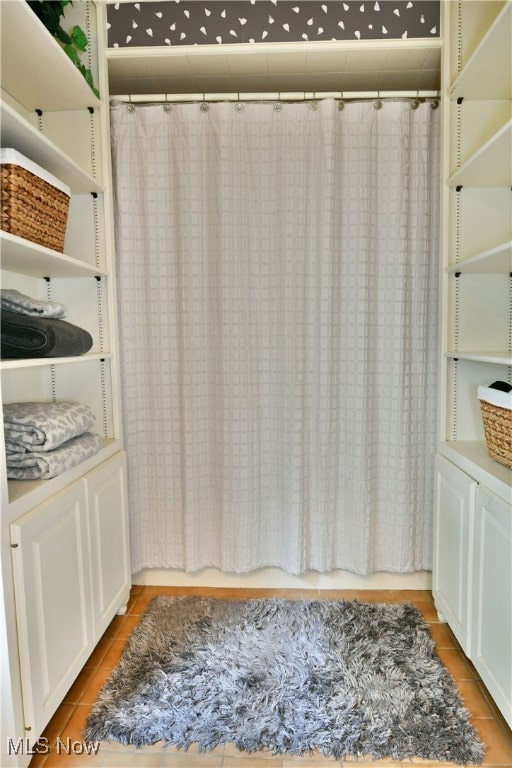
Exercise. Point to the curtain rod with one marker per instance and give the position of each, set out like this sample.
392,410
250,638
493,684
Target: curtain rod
177,98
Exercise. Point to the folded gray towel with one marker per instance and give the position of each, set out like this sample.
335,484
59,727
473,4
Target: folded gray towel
14,301
41,466
36,426
27,337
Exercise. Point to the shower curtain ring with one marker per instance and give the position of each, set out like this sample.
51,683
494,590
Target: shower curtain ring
378,102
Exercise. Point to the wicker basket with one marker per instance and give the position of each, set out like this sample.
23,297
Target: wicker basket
497,425
34,203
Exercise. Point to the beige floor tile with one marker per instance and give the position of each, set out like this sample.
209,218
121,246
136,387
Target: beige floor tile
231,750
79,687
301,594
379,595
252,762
256,594
418,762
114,652
114,626
138,759
74,758
74,727
338,594
99,652
96,683
308,762
417,595
315,760
428,611
141,603
188,760
194,750
109,745
456,663
58,722
38,761
129,625
474,699
498,744
230,594
366,761
442,634
176,591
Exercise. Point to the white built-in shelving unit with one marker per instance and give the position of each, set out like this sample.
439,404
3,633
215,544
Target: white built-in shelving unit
472,573
477,208
55,614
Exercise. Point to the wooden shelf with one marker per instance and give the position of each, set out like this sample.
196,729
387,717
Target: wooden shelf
494,260
490,165
38,362
50,80
488,74
472,457
27,258
496,358
16,132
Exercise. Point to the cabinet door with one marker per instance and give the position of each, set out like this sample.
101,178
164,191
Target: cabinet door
452,525
52,591
492,599
106,490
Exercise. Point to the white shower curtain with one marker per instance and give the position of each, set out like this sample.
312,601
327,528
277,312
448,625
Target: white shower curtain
277,282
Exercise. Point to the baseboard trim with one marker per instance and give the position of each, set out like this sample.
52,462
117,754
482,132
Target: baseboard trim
274,578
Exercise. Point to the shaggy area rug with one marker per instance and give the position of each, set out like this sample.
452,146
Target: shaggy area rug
342,677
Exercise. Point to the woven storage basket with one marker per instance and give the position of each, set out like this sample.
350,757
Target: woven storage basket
34,203
497,418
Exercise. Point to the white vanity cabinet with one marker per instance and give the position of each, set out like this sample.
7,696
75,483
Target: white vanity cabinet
491,598
472,575
50,546
71,575
455,498
108,531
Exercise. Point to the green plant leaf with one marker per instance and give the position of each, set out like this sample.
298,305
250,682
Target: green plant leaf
79,38
49,13
50,17
73,55
62,35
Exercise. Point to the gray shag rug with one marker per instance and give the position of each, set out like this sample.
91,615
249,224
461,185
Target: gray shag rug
345,678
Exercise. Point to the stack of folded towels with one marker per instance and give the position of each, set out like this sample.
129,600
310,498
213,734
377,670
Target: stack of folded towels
44,439
35,328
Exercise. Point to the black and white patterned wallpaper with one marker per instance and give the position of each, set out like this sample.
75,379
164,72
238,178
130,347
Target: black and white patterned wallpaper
195,22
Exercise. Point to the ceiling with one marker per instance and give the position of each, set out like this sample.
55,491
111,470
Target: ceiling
394,65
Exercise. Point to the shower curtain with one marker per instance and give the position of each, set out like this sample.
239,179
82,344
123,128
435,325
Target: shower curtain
277,269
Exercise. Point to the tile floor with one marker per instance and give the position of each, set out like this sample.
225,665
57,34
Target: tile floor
70,717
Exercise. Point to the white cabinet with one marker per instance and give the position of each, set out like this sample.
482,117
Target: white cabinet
491,640
71,575
455,494
472,576
69,567
108,525
53,599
